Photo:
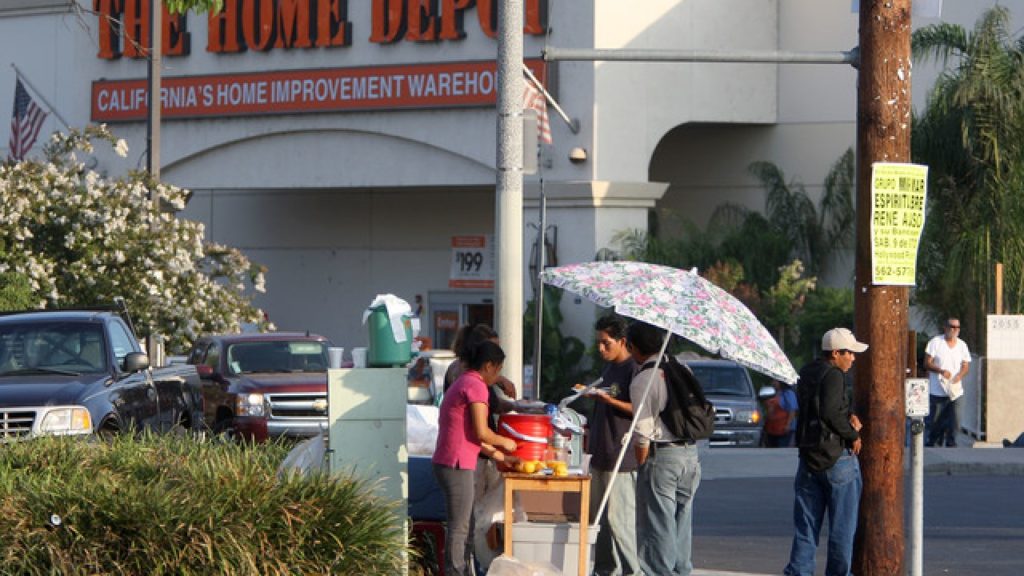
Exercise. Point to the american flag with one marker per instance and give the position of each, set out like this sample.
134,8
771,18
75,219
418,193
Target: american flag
25,123
534,98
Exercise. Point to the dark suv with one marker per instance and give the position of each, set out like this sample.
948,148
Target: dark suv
260,386
738,417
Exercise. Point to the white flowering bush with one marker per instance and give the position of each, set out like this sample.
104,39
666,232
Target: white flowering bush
82,239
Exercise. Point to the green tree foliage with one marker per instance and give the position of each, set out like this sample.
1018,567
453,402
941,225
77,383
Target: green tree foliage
15,292
83,239
824,308
180,6
813,233
760,258
784,301
560,354
971,135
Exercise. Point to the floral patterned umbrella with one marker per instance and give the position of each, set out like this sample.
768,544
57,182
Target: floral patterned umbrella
681,302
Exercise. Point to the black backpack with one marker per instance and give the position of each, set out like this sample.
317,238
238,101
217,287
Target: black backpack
687,414
817,443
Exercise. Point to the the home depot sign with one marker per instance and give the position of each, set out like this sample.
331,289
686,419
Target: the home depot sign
270,24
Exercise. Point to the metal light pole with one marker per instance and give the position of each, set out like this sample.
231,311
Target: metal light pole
509,189
156,12
883,135
155,345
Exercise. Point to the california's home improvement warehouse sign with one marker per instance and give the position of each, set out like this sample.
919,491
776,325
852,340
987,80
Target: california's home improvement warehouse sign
441,85
260,26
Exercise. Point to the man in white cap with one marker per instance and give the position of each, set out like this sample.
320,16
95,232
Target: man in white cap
828,478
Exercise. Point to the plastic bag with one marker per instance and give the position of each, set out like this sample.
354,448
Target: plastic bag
510,566
489,508
308,457
421,428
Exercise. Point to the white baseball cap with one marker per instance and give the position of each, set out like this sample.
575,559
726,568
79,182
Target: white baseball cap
841,339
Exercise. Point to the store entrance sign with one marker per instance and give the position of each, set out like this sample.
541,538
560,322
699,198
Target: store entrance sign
440,85
472,262
898,194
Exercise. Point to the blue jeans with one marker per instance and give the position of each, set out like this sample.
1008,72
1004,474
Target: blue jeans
665,487
836,490
615,549
941,424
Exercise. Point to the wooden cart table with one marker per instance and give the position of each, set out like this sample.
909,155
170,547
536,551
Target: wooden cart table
541,483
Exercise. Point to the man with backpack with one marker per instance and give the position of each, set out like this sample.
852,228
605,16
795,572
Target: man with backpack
669,471
828,478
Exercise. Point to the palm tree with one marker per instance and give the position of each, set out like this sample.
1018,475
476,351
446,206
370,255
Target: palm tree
814,234
971,135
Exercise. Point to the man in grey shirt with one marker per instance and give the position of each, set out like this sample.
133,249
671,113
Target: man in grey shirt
669,472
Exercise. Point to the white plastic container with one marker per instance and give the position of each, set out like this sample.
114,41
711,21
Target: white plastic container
359,357
335,356
554,543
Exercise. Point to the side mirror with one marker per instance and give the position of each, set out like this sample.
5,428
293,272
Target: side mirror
766,392
205,372
135,362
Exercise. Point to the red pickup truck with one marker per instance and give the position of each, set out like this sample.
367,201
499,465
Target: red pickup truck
260,386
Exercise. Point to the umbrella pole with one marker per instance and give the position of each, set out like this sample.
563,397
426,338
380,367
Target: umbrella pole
629,433
538,298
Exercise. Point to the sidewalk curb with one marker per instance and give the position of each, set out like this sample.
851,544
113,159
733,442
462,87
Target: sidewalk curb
949,468
726,463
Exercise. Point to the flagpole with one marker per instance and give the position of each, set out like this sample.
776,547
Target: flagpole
538,300
574,125
39,95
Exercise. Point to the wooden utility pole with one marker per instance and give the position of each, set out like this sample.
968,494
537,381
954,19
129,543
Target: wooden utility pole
883,135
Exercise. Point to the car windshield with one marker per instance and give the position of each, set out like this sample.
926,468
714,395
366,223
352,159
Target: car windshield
52,347
277,356
723,380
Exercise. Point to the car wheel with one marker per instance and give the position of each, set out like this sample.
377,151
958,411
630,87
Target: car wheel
108,431
182,429
223,430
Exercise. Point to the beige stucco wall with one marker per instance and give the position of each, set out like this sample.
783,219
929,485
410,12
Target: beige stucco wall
1004,399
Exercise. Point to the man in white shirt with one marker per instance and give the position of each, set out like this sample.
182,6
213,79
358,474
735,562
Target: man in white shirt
669,472
947,360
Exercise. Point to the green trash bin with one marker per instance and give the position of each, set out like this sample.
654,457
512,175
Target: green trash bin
384,351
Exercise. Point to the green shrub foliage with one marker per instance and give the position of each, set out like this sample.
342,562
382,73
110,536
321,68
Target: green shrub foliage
169,505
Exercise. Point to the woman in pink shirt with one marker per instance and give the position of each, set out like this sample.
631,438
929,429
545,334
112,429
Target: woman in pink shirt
462,435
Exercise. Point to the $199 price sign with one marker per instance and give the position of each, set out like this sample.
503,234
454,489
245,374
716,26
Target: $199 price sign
472,262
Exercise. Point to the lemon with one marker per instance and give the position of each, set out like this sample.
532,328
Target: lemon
561,469
529,467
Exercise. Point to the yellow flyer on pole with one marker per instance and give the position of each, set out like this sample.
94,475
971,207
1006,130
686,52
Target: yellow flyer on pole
898,194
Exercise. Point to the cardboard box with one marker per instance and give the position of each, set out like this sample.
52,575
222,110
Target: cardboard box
557,544
550,506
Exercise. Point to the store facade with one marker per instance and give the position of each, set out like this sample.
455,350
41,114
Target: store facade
350,146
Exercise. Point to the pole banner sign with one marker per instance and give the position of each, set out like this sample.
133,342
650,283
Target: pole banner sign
917,397
898,194
472,262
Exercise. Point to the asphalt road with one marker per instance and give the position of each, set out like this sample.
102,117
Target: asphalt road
973,525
